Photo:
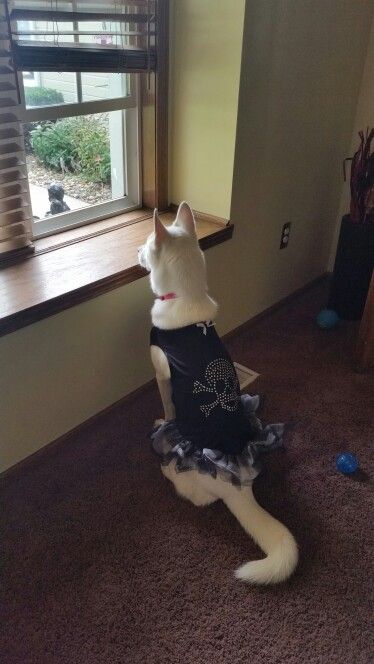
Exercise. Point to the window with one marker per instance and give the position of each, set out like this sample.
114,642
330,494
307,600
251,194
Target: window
81,132
82,157
79,80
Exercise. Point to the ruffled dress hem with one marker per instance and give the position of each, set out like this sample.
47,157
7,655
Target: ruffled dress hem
239,469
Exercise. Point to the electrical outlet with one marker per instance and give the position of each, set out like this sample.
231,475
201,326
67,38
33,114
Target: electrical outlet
285,236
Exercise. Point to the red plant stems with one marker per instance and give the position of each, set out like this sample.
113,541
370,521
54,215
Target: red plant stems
362,180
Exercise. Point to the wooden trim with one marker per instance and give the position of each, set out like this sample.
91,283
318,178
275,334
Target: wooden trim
148,139
155,110
219,236
162,105
56,444
50,307
51,243
80,234
173,207
80,271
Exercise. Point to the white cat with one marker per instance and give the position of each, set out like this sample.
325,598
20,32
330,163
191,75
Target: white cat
178,280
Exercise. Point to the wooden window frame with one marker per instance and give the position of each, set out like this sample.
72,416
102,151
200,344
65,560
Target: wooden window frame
155,109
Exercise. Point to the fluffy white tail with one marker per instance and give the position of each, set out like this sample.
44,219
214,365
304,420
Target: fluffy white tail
271,535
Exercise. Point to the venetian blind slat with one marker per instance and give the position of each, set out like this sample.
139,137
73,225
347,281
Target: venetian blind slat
83,35
15,206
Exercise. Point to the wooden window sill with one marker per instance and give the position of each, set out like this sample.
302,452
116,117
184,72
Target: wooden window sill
69,268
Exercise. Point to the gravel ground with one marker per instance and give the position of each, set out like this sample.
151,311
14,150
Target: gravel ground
90,192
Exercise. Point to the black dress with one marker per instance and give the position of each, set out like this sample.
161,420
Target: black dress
215,428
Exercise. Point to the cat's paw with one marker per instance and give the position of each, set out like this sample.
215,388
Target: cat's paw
157,423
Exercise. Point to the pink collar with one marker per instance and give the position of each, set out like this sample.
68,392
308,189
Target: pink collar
167,296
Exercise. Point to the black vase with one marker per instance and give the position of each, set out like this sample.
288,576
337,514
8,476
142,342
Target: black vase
354,264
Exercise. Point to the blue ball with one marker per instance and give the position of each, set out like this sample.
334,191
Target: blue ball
327,319
346,463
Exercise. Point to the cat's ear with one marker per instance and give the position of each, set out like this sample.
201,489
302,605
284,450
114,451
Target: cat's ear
185,219
159,228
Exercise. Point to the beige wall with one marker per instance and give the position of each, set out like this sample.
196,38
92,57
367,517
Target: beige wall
364,118
301,69
302,62
205,73
61,371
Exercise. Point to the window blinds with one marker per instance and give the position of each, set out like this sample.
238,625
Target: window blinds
15,207
84,35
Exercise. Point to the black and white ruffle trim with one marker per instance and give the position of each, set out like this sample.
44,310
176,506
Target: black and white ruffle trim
239,469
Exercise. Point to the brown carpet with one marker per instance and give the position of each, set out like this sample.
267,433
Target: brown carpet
104,564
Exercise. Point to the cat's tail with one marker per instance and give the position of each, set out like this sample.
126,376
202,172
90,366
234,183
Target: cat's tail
271,535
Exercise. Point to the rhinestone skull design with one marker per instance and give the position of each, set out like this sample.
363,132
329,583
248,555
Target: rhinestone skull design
221,381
